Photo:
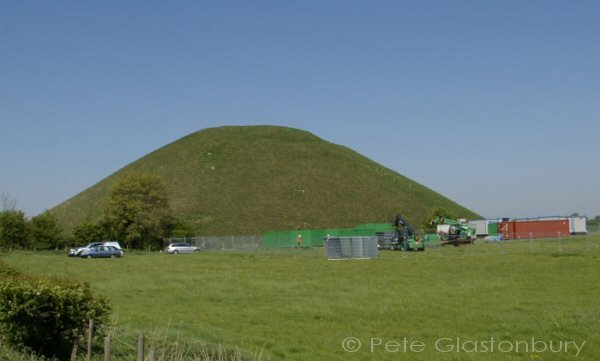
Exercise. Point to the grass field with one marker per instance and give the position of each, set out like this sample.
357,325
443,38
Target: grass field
296,305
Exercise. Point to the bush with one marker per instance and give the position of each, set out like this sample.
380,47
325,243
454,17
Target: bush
7,271
46,315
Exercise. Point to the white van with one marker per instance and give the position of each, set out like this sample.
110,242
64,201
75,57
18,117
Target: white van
113,244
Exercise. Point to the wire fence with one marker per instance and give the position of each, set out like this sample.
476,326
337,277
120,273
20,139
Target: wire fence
539,235
221,243
570,245
124,344
593,228
255,243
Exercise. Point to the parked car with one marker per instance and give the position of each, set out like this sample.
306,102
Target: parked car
175,248
78,250
102,252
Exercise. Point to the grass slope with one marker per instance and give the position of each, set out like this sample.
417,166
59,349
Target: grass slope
295,305
247,180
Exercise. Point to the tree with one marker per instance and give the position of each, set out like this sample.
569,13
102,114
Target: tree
88,232
183,228
6,203
45,233
137,210
595,220
13,231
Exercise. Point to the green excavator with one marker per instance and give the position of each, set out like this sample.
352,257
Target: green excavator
405,238
456,233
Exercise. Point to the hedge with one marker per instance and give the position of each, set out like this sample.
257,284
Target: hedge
46,314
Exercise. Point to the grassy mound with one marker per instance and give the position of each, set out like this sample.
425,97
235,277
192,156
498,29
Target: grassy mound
247,180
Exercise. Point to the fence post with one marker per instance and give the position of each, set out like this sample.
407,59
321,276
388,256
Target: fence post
74,351
531,241
107,348
141,347
559,242
587,241
90,336
151,355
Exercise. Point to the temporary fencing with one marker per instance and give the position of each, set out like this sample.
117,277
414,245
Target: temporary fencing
351,247
220,243
315,237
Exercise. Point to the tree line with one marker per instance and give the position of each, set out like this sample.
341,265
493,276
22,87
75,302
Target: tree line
136,213
39,232
594,221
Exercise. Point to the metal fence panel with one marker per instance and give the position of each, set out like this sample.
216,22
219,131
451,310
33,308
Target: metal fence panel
350,247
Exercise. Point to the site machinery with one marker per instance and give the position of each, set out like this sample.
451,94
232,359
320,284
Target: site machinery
454,233
405,238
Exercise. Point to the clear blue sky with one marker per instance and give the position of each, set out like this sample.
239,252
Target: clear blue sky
495,104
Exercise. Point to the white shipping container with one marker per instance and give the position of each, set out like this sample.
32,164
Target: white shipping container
481,227
578,225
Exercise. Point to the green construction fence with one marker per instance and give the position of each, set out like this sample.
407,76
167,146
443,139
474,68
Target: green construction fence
314,237
493,229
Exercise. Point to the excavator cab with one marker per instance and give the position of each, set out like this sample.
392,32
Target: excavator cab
405,238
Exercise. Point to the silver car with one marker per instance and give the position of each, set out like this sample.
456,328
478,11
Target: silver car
175,248
77,251
102,252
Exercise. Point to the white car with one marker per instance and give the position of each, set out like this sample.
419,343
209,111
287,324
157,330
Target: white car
175,248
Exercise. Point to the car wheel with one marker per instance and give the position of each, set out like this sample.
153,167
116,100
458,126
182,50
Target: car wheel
196,250
175,251
112,256
89,256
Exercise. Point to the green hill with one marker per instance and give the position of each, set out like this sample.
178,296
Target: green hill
247,180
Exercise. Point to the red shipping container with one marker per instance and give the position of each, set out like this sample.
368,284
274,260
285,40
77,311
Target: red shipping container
534,229
506,229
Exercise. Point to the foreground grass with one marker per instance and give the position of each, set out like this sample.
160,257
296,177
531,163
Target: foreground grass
295,305
9,354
